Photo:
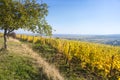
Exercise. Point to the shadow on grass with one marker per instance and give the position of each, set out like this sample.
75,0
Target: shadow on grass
3,51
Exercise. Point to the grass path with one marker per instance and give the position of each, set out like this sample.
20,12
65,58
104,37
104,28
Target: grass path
23,49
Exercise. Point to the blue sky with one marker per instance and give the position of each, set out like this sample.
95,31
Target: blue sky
84,16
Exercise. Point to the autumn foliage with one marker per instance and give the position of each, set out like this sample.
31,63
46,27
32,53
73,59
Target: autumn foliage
101,59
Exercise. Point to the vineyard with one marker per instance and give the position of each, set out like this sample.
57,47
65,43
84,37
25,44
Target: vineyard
102,60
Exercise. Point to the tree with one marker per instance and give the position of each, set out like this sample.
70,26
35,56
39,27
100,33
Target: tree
25,14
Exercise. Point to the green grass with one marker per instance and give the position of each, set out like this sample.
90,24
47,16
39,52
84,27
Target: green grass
1,42
14,66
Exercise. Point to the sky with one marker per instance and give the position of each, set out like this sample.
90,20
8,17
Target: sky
84,16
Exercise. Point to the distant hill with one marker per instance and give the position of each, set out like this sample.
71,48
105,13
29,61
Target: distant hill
113,39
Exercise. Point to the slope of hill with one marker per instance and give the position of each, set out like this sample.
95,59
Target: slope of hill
19,62
77,59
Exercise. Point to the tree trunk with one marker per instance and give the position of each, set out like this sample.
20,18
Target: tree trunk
5,39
